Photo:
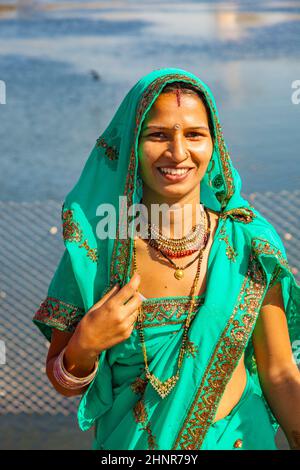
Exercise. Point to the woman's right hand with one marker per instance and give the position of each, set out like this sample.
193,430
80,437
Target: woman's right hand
111,320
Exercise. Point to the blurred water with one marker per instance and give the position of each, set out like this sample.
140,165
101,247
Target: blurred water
51,54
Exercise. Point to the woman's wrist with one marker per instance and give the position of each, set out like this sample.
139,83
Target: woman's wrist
67,380
82,343
78,359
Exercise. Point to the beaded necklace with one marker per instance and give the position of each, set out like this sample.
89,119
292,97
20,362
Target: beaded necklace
163,388
177,247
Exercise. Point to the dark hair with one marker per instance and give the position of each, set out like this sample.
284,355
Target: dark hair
189,89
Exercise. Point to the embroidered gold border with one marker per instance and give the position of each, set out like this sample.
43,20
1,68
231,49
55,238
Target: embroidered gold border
241,214
166,309
262,246
140,411
141,416
110,151
71,230
156,312
73,233
224,359
231,253
56,313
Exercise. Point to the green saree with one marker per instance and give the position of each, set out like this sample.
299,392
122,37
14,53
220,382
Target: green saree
247,257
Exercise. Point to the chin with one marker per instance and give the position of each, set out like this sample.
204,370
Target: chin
175,192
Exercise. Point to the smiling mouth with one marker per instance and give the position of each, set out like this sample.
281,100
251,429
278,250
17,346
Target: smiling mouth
173,174
173,169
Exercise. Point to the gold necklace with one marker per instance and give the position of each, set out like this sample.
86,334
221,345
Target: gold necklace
165,387
179,270
179,247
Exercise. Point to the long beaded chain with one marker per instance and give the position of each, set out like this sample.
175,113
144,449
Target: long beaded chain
163,388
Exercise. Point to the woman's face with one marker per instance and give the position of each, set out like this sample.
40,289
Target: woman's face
174,136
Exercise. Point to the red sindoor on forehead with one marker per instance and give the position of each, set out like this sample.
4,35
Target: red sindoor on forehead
178,94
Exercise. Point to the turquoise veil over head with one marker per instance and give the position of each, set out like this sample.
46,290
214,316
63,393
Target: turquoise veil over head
247,257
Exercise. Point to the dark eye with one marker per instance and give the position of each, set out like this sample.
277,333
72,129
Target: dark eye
195,134
157,134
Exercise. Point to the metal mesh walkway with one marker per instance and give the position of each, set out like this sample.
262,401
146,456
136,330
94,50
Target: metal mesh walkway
31,246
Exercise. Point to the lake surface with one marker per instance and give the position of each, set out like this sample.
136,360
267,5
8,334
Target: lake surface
68,65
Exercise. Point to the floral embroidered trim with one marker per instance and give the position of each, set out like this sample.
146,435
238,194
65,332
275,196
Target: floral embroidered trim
71,230
140,411
92,253
141,416
240,214
139,385
230,252
110,151
58,314
160,310
224,359
225,160
191,349
123,247
72,233
261,246
165,323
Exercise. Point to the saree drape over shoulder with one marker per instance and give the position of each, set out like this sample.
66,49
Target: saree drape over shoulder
247,257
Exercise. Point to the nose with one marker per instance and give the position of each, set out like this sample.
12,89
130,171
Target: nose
178,148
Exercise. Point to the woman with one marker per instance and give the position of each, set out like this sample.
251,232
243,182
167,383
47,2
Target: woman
208,363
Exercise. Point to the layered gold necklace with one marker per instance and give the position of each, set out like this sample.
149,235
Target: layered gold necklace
179,270
163,388
178,247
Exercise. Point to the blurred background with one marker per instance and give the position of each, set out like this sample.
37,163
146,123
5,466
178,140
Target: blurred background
64,69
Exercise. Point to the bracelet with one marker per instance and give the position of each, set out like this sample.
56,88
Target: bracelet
67,380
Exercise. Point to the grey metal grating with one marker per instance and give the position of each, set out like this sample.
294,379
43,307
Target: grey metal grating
33,414
282,209
29,254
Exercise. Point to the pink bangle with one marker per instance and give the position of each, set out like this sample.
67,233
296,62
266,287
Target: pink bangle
67,380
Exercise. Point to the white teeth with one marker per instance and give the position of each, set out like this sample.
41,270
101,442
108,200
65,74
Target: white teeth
173,171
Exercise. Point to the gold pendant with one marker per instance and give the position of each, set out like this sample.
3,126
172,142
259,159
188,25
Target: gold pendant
162,388
179,274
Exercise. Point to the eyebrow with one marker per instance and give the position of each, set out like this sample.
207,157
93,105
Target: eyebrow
170,128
